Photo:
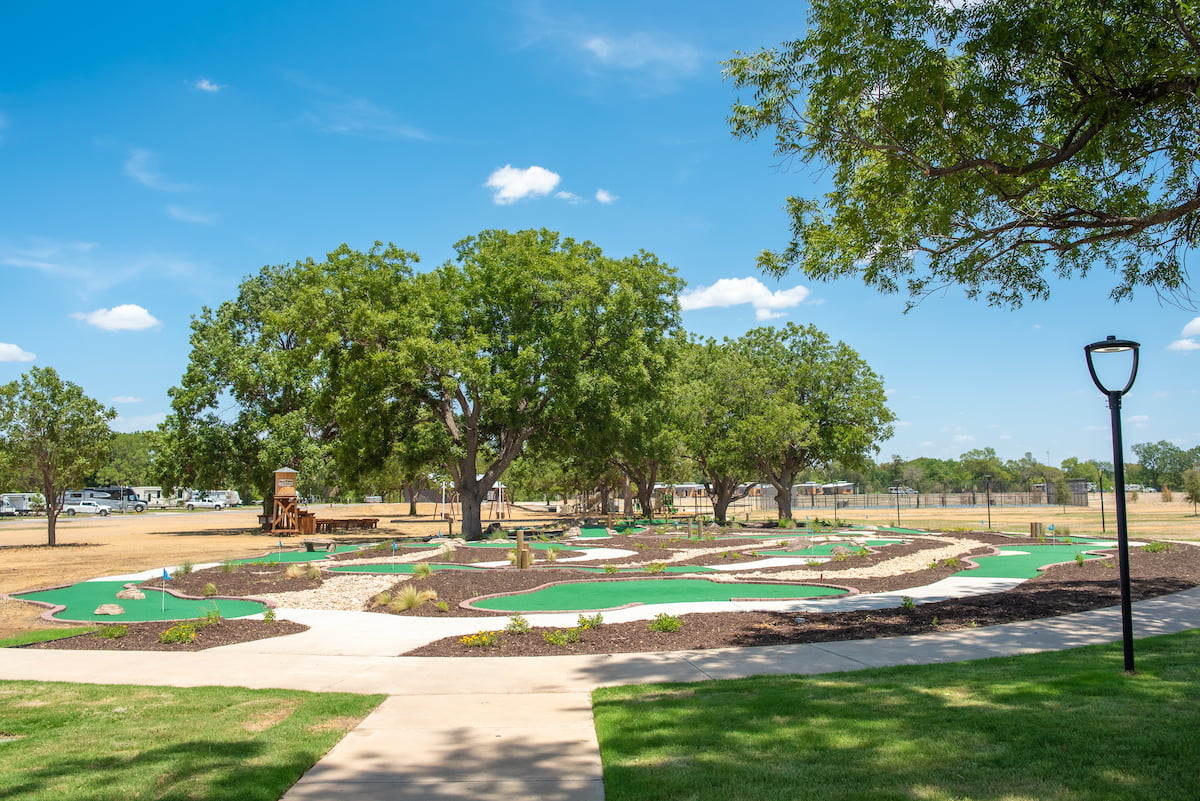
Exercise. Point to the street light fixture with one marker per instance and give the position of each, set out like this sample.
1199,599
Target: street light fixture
987,484
1114,345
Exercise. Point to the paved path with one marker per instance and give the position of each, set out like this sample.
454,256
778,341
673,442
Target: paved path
521,728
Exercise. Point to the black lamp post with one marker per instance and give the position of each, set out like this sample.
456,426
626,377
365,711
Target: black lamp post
1114,345
987,484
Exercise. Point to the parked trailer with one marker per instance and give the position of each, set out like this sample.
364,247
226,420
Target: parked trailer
118,499
24,503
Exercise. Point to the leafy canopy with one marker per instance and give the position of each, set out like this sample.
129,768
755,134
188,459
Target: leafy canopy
990,145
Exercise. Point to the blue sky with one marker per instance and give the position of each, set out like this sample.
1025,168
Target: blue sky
154,154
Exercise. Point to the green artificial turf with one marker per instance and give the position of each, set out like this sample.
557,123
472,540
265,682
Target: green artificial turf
85,742
398,567
584,595
287,557
1062,726
1024,561
82,599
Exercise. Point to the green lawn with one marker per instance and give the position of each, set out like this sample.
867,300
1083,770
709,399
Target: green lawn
1066,726
87,742
43,635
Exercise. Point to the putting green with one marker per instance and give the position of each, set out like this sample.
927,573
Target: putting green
286,557
593,531
580,596
82,599
1024,561
669,569
537,546
826,548
399,567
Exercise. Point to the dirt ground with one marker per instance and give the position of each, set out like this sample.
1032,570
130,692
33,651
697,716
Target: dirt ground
89,547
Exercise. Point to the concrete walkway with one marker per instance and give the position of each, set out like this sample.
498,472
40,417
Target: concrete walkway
521,728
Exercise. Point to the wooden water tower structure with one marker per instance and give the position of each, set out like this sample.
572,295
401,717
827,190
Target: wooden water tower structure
285,518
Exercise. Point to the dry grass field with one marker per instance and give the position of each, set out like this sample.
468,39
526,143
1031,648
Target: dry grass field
92,547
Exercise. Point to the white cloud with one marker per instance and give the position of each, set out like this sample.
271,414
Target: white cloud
140,166
127,317
205,85
570,197
332,111
126,399
963,438
145,422
606,197
1184,345
1006,436
1139,418
736,291
663,57
512,183
13,353
1192,329
190,215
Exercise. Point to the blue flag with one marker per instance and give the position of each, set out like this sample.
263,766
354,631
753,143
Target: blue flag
166,575
393,546
281,543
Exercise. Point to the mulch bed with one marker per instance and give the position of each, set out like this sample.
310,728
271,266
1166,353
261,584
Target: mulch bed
1060,590
239,581
145,636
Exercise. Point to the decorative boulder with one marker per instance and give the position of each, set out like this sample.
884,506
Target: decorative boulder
109,609
131,594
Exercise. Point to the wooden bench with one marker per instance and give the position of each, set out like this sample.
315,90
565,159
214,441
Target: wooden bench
329,523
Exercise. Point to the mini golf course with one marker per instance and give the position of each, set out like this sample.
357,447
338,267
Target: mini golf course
78,602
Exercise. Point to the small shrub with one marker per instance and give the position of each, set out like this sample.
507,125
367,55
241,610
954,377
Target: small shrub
813,562
840,556
1107,563
935,623
422,570
518,624
449,552
382,599
656,567
181,632
228,567
511,554
209,618
952,562
268,616
586,622
1079,560
209,590
184,568
1062,531
498,534
1156,547
442,606
934,565
561,636
664,622
296,571
480,639
611,569
113,631
907,603
409,597
863,551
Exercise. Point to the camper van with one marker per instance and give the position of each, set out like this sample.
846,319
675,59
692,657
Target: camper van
23,503
118,499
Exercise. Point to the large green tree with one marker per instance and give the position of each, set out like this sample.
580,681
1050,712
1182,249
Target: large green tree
990,145
816,402
719,394
493,348
247,404
52,435
1163,462
130,461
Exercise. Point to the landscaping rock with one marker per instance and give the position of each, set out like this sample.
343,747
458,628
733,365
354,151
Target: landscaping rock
109,609
131,594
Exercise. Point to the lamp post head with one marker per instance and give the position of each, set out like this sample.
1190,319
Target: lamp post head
1112,345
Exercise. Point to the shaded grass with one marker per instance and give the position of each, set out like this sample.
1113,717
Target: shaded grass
89,742
43,635
1065,726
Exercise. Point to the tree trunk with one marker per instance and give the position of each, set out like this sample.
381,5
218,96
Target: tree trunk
470,497
51,522
628,496
412,500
